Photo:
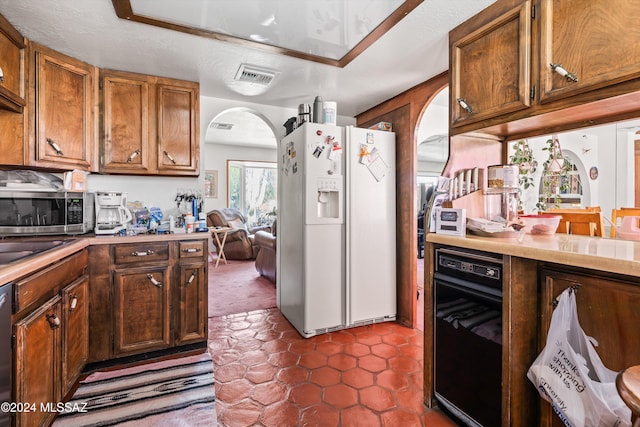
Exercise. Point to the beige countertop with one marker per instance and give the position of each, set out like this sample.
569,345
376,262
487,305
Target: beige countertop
28,265
597,253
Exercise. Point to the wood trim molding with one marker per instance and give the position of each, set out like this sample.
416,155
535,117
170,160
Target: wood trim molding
124,11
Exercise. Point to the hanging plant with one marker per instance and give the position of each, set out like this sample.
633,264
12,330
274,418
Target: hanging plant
555,175
527,165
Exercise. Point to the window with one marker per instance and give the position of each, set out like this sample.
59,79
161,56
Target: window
253,190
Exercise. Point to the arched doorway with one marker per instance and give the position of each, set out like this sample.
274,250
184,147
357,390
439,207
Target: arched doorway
236,134
240,146
432,152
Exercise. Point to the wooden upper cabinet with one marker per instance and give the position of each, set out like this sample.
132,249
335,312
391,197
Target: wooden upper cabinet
178,140
124,142
149,125
63,98
595,40
490,63
12,65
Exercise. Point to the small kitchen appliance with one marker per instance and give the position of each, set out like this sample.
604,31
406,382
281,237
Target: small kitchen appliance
112,214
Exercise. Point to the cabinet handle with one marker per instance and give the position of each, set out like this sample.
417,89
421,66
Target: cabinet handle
169,157
1,75
191,250
464,105
73,304
55,146
564,73
142,253
574,288
154,281
133,156
3,300
53,320
193,276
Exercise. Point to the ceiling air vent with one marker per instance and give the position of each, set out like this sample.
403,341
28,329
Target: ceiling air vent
253,74
221,126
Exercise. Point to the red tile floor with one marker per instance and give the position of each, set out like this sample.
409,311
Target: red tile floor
268,375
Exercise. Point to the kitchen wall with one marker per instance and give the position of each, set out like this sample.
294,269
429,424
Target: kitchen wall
161,191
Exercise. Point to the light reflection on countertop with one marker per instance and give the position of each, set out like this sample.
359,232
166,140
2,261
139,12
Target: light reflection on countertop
604,254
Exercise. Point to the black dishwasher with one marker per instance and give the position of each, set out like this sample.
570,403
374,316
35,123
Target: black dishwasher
468,335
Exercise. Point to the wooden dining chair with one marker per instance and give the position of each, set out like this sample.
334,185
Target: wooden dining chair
588,222
621,213
628,385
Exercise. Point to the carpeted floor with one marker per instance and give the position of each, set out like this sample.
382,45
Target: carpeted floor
237,287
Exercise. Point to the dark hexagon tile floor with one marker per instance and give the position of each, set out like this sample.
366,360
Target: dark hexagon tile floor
268,375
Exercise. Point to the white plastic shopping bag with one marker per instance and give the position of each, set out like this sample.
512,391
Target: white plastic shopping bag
570,375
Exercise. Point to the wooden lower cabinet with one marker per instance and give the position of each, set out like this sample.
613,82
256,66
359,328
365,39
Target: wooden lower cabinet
607,311
75,331
146,297
141,307
192,310
37,358
51,336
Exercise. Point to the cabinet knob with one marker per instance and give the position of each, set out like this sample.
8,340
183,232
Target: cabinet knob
73,304
464,105
133,156
53,320
142,253
571,77
574,288
169,157
193,276
55,146
154,281
1,75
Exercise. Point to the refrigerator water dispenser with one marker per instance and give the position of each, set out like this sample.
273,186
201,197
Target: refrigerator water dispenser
328,198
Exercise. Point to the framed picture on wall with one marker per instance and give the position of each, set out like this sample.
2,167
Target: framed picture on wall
211,184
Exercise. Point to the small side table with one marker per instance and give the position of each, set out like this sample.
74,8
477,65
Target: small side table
217,232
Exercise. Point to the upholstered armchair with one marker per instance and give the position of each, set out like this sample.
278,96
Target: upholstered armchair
240,242
266,259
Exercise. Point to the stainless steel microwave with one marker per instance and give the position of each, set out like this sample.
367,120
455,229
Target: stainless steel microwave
39,212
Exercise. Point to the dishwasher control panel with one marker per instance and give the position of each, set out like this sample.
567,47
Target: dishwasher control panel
470,266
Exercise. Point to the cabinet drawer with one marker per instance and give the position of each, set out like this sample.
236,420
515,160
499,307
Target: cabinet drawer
141,252
195,249
49,281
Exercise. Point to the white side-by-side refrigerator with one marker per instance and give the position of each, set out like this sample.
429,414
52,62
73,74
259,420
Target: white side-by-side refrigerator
336,245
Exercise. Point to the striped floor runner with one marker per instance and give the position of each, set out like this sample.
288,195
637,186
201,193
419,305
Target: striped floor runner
157,391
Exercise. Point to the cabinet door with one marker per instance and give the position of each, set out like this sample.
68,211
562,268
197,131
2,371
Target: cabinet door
64,97
125,127
36,362
490,64
596,40
192,321
75,331
177,131
608,312
12,56
141,305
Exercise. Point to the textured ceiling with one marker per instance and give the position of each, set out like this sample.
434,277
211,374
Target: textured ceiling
413,51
